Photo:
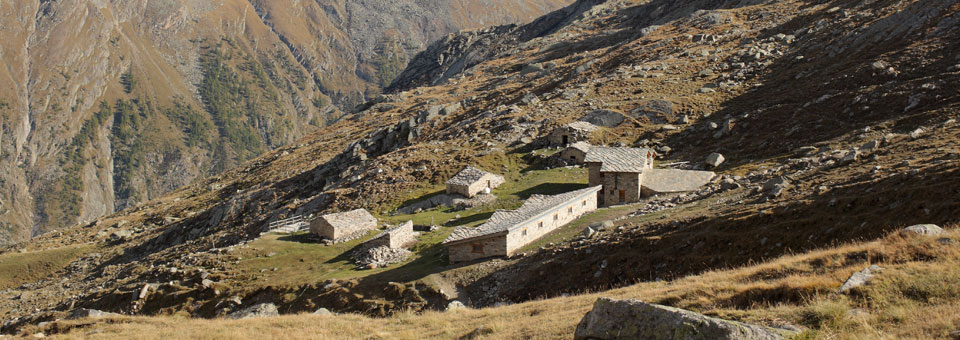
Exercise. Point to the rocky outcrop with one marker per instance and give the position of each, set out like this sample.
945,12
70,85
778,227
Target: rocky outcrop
256,311
458,52
633,319
166,65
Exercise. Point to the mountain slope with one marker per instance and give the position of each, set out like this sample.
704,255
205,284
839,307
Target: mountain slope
846,108
108,104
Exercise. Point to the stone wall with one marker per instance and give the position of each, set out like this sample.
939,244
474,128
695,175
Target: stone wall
488,247
573,155
557,217
343,225
401,236
614,182
477,186
572,134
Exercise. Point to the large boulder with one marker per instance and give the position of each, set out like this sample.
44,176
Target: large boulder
604,118
82,313
634,319
923,229
256,311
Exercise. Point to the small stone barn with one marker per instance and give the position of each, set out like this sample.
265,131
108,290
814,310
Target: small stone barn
509,230
576,152
571,133
400,236
343,226
471,181
627,175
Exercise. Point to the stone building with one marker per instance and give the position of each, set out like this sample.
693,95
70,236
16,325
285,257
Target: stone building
627,175
571,133
401,236
576,152
509,230
343,226
471,181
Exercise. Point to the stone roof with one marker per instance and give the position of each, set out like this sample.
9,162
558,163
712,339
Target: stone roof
349,218
585,126
582,146
505,220
674,180
467,176
618,159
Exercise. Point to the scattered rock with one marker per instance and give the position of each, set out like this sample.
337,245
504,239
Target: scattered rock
871,145
860,278
91,313
256,311
322,311
917,133
922,229
454,305
604,225
530,99
634,319
589,232
851,156
715,159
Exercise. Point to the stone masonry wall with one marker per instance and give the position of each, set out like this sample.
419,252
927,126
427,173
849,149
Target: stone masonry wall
553,219
613,182
476,187
337,228
400,236
493,246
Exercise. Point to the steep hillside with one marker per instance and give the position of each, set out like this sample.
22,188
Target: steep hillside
108,104
837,119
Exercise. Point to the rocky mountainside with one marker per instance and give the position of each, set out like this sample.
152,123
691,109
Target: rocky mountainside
107,104
836,121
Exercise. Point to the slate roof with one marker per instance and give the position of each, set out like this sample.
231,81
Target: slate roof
348,218
505,220
582,146
467,176
618,159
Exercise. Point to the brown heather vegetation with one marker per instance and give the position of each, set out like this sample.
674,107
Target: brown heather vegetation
914,298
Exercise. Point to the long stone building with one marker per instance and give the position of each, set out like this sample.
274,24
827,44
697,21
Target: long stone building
627,175
509,230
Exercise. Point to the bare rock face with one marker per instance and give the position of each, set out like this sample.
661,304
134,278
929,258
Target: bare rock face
105,105
634,319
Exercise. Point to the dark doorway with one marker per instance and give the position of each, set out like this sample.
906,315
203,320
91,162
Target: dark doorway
566,139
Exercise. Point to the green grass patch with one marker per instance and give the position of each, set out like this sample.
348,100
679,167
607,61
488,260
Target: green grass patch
19,268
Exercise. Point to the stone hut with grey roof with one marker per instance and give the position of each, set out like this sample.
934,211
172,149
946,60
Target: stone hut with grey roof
471,181
508,230
344,226
576,152
627,175
571,133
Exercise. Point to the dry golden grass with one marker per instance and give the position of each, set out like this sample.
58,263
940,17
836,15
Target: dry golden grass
915,297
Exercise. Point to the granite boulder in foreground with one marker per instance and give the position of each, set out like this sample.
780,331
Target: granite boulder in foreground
634,319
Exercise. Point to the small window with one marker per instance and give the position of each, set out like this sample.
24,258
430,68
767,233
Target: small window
478,248
539,225
570,209
556,217
524,232
584,203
